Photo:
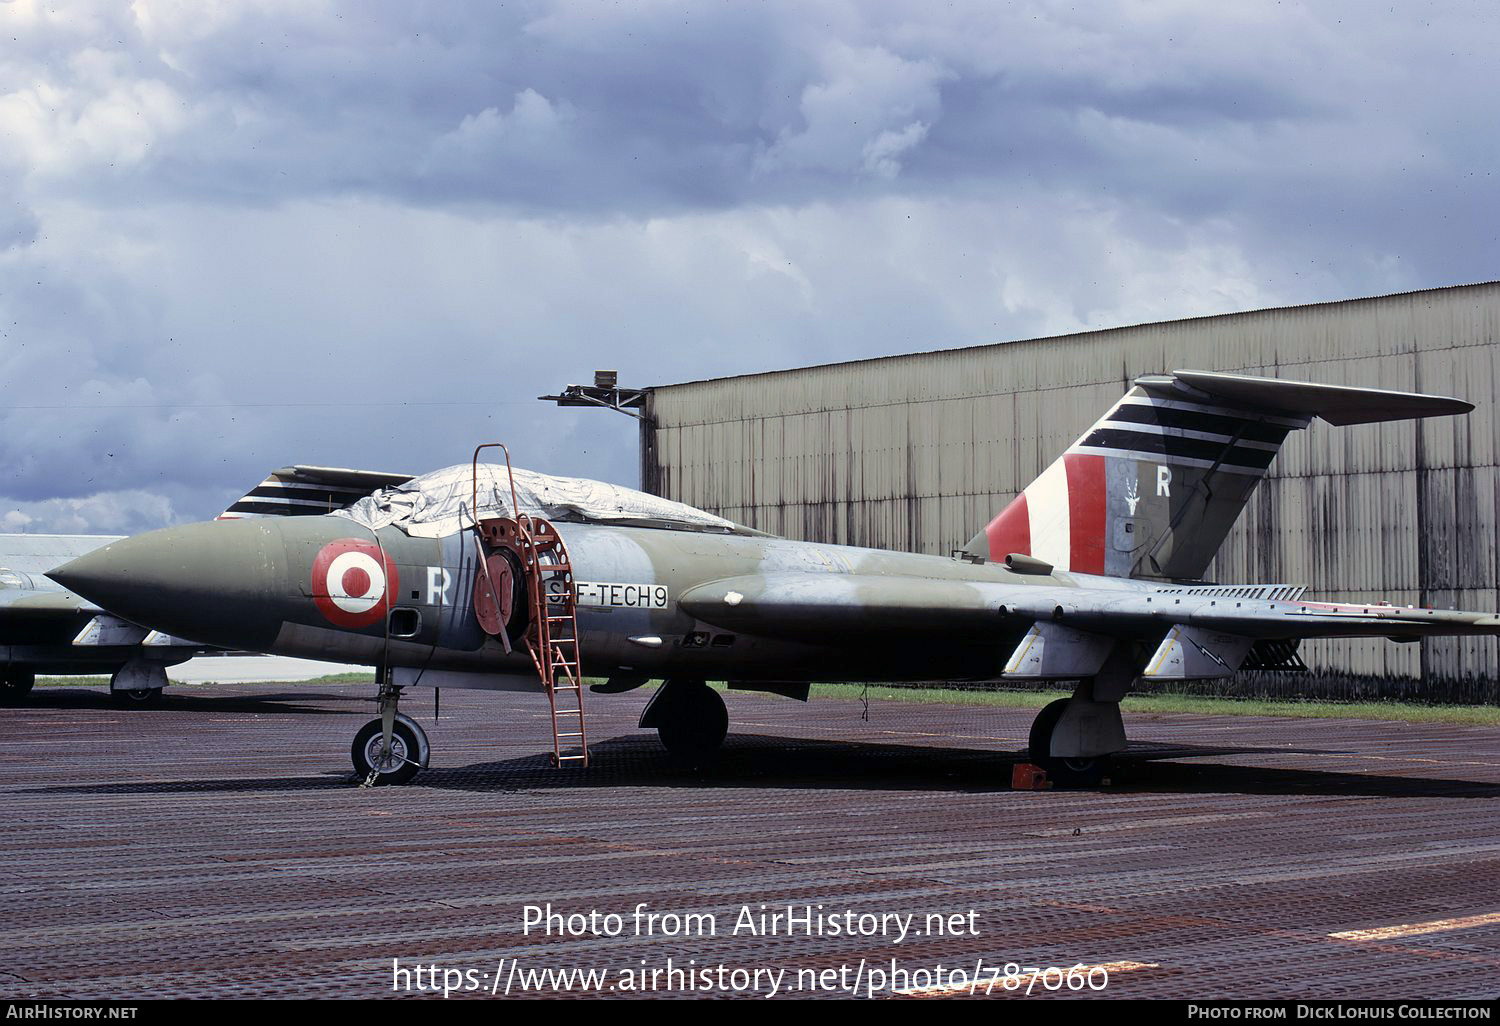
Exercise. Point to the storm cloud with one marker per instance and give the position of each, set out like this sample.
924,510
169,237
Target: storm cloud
239,235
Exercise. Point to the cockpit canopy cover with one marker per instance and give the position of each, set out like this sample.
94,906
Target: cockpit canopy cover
437,504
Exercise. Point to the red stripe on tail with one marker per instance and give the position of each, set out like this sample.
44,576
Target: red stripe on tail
1086,509
1011,530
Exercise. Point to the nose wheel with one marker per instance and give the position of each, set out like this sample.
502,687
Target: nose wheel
379,766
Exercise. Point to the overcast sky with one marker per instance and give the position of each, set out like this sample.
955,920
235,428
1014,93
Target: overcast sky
235,236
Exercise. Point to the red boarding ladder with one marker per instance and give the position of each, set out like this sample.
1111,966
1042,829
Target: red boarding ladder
552,628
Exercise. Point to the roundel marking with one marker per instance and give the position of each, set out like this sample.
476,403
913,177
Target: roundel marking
352,582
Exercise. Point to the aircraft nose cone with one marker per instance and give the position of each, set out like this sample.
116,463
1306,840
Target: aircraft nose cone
205,582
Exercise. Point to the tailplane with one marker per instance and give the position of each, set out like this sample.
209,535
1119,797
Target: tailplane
1152,489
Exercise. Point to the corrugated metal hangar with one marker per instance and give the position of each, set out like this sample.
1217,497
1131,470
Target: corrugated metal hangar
918,452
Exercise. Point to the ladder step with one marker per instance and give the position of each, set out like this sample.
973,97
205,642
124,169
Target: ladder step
553,640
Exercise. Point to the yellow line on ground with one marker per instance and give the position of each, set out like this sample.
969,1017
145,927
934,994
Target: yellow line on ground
1418,929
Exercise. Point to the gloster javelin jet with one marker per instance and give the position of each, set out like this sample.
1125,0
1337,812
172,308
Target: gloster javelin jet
477,577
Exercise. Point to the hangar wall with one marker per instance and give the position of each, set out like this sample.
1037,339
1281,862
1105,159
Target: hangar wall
917,452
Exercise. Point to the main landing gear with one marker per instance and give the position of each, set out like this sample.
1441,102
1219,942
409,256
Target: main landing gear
1073,739
135,698
391,748
138,684
15,685
690,719
1065,772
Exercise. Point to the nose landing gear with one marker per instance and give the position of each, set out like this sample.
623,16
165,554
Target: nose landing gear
391,748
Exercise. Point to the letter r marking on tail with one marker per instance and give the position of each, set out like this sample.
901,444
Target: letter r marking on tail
1164,481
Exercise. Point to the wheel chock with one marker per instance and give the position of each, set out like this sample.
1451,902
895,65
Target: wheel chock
1026,777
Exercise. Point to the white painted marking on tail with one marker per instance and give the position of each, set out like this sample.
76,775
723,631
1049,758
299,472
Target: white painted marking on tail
1051,524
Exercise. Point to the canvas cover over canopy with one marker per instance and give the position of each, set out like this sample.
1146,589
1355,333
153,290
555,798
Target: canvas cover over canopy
437,504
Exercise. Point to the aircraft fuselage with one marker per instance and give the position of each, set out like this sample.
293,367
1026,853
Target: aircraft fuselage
312,587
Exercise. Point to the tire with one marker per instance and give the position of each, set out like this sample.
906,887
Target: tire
15,685
138,698
405,750
693,724
1063,772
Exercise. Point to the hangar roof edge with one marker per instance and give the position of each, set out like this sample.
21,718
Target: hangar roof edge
1083,334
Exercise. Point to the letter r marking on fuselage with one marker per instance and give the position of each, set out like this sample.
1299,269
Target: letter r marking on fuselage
439,580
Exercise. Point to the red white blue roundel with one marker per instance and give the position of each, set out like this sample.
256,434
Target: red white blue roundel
353,581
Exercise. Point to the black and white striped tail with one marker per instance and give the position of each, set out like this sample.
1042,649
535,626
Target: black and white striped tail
309,491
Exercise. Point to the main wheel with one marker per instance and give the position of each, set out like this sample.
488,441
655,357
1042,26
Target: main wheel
1063,771
136,698
693,723
400,765
15,685
1039,741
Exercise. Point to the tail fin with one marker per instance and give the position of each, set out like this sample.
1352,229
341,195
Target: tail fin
308,491
1152,489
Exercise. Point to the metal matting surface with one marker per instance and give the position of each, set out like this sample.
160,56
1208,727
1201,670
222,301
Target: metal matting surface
217,847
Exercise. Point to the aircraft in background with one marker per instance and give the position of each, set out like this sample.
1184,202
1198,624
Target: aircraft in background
477,577
47,629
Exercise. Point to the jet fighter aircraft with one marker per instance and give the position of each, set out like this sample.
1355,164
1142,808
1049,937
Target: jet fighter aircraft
480,577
